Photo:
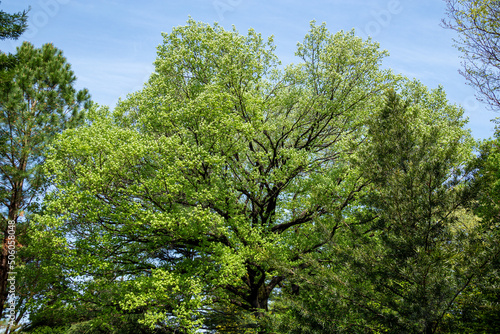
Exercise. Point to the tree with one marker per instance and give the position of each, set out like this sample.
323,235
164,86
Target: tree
478,25
424,255
202,194
37,103
422,248
12,26
480,308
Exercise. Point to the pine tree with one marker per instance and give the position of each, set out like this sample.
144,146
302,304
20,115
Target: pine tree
13,25
425,249
412,246
37,102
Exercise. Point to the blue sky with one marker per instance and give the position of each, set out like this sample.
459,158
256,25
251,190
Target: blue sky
111,44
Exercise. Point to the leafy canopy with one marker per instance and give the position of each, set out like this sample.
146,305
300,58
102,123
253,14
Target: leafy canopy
202,194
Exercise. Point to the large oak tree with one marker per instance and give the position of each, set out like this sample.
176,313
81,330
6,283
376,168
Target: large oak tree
200,196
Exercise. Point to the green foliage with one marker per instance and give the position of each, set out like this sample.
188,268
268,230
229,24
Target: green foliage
488,165
479,309
422,253
234,195
204,192
36,103
13,25
413,245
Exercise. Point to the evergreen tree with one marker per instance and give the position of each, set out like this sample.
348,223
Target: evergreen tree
13,25
413,245
421,256
479,310
38,102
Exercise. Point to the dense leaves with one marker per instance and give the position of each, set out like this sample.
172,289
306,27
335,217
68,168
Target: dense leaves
220,177
232,194
412,245
479,310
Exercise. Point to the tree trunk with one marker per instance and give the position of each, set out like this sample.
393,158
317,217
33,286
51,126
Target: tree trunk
4,268
3,271
4,254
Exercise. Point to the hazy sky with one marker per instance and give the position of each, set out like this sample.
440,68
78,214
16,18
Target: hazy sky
111,44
